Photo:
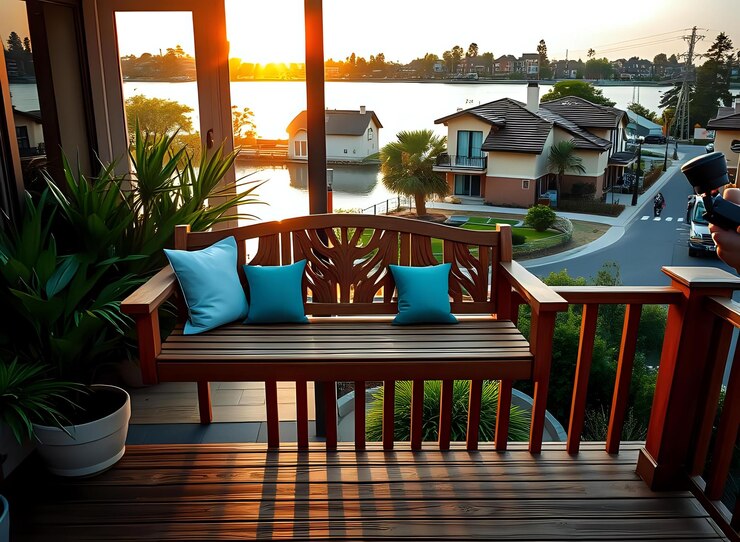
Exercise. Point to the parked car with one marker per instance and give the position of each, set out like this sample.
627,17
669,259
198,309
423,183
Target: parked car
710,147
700,240
658,139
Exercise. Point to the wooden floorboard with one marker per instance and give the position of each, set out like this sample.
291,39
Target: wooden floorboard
241,492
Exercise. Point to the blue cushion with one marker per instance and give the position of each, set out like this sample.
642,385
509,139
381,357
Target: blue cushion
275,294
210,284
423,294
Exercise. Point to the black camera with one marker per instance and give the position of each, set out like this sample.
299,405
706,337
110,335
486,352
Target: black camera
707,174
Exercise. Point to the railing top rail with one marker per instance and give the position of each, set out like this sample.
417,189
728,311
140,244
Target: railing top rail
725,308
619,295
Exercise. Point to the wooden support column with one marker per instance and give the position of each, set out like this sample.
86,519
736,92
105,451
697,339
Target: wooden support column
664,461
316,136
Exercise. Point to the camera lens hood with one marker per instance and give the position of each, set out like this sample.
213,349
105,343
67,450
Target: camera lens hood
707,172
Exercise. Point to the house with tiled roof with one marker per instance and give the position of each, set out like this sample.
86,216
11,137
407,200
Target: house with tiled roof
726,126
351,135
499,151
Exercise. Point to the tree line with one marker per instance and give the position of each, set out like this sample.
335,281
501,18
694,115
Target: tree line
18,57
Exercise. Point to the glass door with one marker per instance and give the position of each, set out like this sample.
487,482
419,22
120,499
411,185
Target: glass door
165,65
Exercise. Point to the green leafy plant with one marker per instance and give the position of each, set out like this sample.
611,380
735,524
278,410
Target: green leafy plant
518,239
518,425
540,217
62,310
136,216
28,396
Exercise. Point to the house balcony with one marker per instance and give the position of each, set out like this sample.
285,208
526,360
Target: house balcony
451,163
669,487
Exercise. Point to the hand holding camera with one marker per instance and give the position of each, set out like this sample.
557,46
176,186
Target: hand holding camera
707,174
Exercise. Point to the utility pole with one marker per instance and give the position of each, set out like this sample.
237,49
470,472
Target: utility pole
682,123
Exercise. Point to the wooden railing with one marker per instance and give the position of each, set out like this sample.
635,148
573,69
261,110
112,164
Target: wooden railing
709,476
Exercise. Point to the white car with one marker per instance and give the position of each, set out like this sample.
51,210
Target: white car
700,240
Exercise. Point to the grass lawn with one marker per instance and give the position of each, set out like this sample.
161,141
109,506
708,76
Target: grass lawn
482,224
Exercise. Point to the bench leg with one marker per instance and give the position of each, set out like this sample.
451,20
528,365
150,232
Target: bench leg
204,402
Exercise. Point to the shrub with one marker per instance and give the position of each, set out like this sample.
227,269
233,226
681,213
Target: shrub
540,217
518,425
596,425
518,239
583,190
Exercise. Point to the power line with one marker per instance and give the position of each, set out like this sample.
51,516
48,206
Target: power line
632,47
653,36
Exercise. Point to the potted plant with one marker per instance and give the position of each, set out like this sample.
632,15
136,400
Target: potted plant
80,247
61,313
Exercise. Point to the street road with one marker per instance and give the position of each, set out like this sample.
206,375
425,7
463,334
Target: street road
647,244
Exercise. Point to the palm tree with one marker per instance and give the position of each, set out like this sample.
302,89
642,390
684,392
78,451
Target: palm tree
407,165
562,159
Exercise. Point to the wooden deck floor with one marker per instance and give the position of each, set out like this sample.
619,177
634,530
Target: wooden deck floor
242,492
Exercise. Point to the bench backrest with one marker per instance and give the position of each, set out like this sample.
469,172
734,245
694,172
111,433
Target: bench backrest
348,257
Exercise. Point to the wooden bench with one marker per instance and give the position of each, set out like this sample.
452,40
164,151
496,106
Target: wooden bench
349,296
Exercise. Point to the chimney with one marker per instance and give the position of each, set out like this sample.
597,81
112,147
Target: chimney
533,96
362,110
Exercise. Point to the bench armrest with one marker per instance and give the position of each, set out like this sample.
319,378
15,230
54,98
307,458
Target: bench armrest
143,305
150,295
536,293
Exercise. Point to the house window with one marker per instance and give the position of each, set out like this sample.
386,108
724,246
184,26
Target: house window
467,185
369,134
525,185
469,144
345,151
21,134
300,148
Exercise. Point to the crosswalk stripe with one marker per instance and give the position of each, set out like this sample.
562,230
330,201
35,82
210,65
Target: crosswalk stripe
645,217
669,219
656,219
679,219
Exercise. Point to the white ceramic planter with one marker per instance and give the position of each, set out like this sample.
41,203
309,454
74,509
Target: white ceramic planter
93,447
4,520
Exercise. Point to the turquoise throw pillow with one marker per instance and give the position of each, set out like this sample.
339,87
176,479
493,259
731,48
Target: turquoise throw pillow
423,294
275,294
210,283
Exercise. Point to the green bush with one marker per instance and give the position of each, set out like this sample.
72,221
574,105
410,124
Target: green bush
518,238
583,190
540,217
518,425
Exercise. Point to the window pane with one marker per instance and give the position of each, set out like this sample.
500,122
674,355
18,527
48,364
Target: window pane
160,88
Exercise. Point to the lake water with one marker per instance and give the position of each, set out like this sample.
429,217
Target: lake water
398,105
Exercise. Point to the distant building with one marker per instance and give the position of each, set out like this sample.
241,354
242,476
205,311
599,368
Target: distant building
726,126
29,132
439,66
566,69
504,65
528,64
351,136
499,151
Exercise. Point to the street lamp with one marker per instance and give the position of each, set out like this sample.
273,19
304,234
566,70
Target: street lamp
636,186
665,158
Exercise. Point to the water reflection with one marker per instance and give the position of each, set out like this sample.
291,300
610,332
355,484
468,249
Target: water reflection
285,189
358,180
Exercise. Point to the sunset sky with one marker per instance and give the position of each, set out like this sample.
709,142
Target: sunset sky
261,31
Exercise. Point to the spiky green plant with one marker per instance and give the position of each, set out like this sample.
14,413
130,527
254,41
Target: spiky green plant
28,396
407,166
562,159
518,425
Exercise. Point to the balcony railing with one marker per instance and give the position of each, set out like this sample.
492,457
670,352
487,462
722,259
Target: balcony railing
453,161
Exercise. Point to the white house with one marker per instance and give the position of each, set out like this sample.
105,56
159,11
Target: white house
351,136
29,132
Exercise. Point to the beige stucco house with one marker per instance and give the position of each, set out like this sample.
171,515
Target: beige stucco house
498,151
29,132
351,136
726,126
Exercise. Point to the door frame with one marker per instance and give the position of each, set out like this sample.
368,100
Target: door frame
211,64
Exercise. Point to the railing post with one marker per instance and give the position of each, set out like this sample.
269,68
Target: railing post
664,461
